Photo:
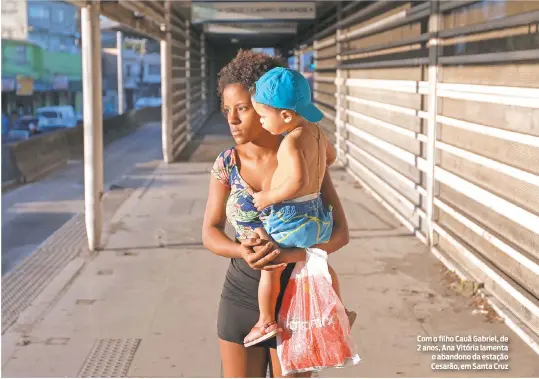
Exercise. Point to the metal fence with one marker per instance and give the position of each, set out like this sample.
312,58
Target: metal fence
190,79
435,111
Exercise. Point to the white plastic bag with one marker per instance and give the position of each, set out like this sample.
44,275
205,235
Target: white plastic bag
316,331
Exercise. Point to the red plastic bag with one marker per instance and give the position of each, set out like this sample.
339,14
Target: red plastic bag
316,331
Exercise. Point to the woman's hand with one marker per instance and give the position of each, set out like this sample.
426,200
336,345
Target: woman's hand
259,253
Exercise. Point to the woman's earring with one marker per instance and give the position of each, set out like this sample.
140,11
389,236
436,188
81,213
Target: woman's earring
287,120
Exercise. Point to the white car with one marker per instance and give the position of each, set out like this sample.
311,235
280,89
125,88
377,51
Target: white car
148,102
56,117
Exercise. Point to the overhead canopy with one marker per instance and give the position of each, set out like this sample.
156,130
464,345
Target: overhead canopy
146,18
222,12
256,23
246,23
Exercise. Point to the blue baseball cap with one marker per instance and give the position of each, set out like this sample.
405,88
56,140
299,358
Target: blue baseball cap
284,88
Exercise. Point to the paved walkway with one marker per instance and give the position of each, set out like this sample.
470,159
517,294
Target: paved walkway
33,212
146,305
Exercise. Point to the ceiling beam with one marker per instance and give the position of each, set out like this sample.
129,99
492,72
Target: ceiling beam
117,12
146,9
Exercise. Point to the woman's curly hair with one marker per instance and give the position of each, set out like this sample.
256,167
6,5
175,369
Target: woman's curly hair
246,68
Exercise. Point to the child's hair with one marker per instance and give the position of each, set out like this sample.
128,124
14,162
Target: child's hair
246,68
252,89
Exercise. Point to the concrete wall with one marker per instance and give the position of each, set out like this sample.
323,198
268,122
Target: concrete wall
26,161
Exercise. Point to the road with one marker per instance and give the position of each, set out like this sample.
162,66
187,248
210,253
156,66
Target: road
31,213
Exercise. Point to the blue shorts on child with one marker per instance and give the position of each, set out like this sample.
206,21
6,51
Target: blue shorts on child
302,222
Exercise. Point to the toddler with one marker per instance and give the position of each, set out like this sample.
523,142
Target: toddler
293,213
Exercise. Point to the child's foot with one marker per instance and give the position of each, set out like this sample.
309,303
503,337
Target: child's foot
261,333
351,317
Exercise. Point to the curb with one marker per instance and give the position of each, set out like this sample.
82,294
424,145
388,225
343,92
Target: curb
10,184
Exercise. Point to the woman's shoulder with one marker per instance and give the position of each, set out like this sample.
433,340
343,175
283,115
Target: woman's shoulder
227,157
226,160
223,166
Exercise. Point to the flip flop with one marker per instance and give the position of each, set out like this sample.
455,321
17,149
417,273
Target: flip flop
262,332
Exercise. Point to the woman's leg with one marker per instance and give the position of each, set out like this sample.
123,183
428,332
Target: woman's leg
242,362
276,367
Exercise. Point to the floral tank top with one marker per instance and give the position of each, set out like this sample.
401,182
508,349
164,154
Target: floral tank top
240,210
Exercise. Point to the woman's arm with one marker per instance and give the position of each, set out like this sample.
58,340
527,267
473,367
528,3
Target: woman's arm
339,236
215,239
280,257
213,227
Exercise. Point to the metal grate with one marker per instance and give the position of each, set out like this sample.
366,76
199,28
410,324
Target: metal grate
109,358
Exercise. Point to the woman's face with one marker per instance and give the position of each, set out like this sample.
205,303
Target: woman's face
243,120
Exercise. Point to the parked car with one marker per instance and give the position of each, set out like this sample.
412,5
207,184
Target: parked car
56,117
148,102
24,128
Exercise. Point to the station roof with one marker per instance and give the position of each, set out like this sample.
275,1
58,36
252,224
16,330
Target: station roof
245,23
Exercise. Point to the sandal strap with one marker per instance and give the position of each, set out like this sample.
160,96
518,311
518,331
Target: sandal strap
267,325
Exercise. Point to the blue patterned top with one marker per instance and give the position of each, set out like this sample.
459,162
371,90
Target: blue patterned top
240,210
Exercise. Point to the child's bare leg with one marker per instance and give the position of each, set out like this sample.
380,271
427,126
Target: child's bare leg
268,292
268,288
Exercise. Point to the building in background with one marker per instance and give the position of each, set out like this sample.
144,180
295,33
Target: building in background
41,57
151,75
132,76
141,68
54,25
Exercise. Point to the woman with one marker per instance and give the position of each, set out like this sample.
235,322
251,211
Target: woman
237,173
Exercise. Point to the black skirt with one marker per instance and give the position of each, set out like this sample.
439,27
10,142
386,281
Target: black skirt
238,308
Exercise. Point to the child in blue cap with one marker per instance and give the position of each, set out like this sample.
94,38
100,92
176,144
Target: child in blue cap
292,210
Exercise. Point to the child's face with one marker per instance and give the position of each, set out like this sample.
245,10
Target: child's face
271,119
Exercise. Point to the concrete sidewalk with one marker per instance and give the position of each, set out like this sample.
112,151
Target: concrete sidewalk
33,212
146,306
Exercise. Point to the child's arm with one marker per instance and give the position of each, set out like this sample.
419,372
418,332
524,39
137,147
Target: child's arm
291,156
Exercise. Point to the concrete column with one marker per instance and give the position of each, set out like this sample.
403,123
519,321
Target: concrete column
166,97
93,123
120,63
